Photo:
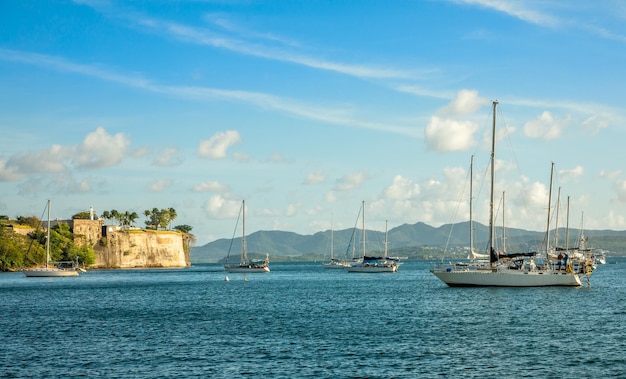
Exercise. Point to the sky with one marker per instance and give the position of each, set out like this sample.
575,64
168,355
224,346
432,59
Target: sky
304,109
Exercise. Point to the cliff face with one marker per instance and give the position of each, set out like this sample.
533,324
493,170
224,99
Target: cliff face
142,249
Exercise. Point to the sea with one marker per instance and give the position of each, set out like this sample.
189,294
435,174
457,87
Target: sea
304,321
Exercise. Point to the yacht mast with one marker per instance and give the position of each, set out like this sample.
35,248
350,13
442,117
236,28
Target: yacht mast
363,206
503,226
471,225
493,256
48,238
244,256
549,208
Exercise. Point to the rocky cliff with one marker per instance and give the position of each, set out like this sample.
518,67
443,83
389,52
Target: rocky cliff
142,249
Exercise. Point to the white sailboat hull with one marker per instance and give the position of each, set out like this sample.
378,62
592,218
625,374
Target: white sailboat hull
373,268
49,273
506,278
336,265
246,269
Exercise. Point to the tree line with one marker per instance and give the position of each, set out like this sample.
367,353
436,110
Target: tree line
157,219
18,251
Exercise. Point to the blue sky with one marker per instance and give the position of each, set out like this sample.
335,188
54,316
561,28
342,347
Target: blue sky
306,108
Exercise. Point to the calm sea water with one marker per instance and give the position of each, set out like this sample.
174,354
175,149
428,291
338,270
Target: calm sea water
301,321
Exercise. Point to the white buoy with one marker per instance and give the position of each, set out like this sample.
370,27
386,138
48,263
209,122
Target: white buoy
245,279
226,278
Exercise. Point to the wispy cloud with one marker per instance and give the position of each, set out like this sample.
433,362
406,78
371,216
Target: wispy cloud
572,15
236,42
517,9
281,104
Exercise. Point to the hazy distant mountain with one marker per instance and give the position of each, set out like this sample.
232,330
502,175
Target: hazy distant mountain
414,241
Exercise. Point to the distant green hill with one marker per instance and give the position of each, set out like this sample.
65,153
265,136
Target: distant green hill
416,241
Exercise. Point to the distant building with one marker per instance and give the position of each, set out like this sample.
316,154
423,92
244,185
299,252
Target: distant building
89,231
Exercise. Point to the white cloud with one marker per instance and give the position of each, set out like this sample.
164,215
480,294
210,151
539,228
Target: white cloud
466,101
615,221
449,135
160,185
545,126
100,149
401,189
292,209
52,160
596,123
350,181
8,173
610,174
314,211
266,101
168,157
620,190
276,157
537,195
566,175
315,178
221,208
209,38
212,186
517,9
79,187
331,196
216,146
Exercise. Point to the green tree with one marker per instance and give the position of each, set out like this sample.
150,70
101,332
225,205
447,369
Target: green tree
183,228
171,216
106,215
63,248
14,248
30,221
84,215
159,218
128,218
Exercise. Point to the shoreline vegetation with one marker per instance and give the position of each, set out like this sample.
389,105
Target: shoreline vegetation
82,238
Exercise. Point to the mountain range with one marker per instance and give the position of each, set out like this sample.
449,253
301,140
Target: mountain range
410,241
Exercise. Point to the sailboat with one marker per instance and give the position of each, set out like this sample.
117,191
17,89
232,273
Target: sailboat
52,269
334,263
371,264
511,270
246,265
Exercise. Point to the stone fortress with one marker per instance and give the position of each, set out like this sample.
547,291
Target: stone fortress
117,247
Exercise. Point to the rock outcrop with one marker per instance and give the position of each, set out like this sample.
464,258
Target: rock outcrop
138,248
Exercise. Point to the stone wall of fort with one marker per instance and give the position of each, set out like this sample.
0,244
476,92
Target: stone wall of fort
138,248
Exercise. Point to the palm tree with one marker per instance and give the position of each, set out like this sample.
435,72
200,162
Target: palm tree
171,215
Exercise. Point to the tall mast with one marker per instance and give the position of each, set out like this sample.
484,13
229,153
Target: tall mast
331,237
48,237
471,207
244,256
493,257
567,227
556,220
386,238
363,206
549,208
503,226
